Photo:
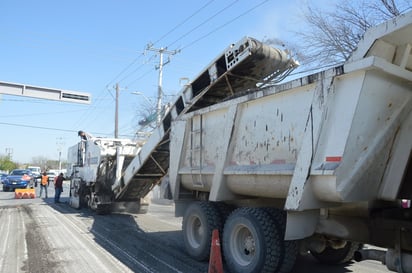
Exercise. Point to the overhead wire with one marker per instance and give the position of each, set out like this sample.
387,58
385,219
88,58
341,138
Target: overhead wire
39,114
125,69
138,68
140,77
204,22
150,59
37,127
159,39
225,24
183,36
190,31
183,22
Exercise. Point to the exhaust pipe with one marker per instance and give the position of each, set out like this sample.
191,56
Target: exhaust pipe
393,259
370,254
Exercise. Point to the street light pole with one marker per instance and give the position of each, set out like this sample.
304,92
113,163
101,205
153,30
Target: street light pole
144,96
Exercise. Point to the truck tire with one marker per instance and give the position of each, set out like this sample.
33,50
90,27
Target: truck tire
199,221
75,199
251,243
74,202
337,256
290,247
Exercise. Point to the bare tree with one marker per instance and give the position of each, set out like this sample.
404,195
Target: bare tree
332,36
40,161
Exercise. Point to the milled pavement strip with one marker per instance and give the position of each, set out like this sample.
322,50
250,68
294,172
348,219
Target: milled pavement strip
5,231
21,240
70,225
64,229
126,253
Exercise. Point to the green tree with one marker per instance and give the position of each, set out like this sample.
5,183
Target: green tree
6,164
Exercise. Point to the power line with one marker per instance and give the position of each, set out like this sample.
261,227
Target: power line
162,37
187,33
204,22
36,127
139,67
88,113
225,24
184,35
139,78
184,21
211,32
39,114
124,70
45,128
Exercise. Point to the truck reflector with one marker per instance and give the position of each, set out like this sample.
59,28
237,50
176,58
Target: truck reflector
333,158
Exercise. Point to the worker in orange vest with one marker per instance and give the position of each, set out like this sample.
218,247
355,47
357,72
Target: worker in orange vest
43,184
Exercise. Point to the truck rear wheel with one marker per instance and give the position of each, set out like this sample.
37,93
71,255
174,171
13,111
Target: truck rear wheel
199,221
251,243
337,256
290,247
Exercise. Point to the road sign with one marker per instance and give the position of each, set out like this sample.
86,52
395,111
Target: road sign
17,89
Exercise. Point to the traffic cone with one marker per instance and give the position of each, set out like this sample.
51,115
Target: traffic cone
215,261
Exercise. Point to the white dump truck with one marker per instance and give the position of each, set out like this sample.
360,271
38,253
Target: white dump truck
319,164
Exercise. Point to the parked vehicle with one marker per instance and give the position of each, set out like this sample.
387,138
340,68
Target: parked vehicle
51,175
3,176
18,179
36,171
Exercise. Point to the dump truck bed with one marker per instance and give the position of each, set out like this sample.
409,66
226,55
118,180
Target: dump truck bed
337,136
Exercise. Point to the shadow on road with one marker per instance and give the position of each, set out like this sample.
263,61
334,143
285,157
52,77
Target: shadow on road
307,263
140,249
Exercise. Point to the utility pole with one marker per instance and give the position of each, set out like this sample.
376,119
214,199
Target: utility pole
59,144
9,153
116,114
116,111
161,51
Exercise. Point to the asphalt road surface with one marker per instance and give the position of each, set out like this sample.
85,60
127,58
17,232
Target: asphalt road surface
40,236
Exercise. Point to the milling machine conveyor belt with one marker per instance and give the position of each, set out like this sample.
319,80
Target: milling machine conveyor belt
241,67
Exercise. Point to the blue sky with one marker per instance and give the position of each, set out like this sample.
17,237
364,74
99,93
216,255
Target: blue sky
88,46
